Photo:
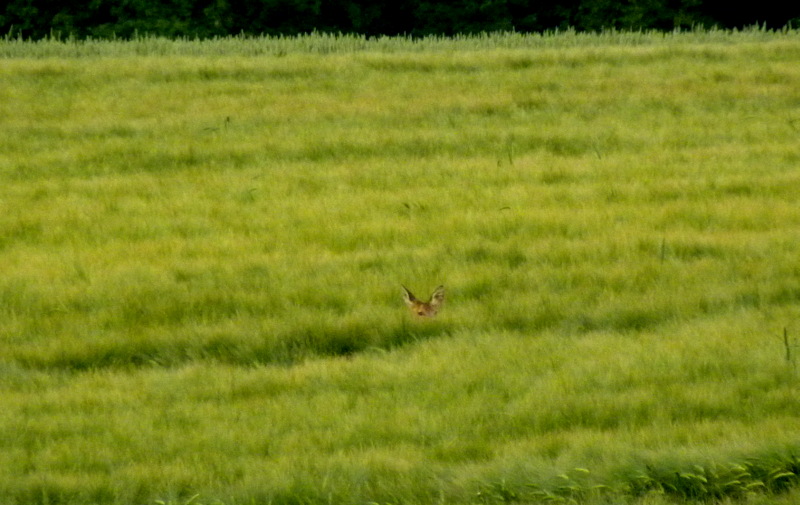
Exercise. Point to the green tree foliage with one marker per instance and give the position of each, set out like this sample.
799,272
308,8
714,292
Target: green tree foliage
36,19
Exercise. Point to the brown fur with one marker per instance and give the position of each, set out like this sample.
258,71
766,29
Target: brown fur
424,309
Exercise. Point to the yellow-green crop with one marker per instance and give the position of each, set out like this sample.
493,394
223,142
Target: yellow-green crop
202,246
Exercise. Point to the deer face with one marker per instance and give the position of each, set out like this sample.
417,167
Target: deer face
424,309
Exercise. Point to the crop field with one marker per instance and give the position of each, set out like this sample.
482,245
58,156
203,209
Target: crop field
202,247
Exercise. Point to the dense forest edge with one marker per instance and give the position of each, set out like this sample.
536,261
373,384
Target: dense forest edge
202,19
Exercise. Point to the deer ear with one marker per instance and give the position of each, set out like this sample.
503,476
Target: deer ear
408,296
437,298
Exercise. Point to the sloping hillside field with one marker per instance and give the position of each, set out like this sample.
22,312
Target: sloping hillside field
203,244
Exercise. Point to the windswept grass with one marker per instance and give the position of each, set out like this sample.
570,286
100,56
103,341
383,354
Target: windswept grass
324,43
203,246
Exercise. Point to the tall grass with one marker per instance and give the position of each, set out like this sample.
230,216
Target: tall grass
202,258
13,45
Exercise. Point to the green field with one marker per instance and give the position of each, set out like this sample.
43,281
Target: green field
202,246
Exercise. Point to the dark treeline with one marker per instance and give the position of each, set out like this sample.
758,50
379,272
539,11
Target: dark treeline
35,19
